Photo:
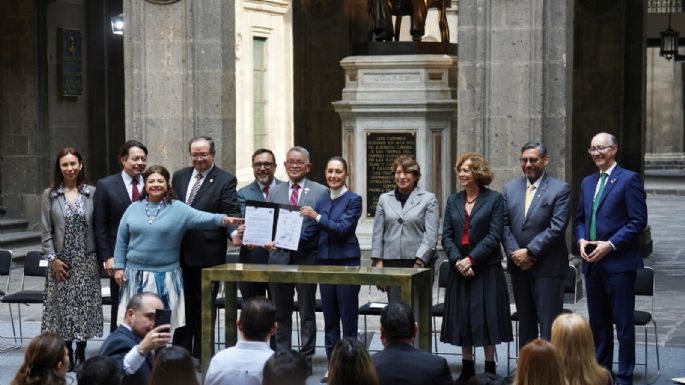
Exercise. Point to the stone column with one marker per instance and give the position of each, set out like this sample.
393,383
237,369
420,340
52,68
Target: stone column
179,63
406,101
514,82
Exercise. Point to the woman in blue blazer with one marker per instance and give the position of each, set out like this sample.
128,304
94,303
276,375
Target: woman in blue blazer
476,298
337,214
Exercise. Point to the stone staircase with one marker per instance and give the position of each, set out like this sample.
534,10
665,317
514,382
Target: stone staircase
15,237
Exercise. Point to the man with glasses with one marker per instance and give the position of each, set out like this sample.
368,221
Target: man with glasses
612,213
263,168
203,186
299,191
538,207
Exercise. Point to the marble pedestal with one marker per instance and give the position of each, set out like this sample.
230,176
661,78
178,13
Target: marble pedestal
393,104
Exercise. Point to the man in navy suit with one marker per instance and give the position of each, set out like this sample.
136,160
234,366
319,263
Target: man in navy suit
113,194
132,342
400,362
612,213
538,207
206,187
263,167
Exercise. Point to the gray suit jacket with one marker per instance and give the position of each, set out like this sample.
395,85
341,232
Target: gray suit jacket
406,232
52,220
310,192
543,230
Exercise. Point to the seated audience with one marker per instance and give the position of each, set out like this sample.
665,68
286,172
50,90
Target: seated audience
133,341
287,367
173,366
539,364
99,370
400,362
46,362
243,363
350,364
572,337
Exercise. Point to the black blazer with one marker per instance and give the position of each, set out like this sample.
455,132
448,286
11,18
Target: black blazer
403,364
486,226
216,195
117,345
110,201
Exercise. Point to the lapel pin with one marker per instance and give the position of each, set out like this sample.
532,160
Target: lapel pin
211,180
306,190
613,180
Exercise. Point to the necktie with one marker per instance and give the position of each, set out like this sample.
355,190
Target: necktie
135,194
294,196
530,193
265,190
595,203
196,186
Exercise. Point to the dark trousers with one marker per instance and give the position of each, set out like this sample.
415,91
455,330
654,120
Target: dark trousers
611,301
394,292
539,300
189,336
114,295
254,289
282,296
340,304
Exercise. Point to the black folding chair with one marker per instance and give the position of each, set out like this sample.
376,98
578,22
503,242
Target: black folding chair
34,266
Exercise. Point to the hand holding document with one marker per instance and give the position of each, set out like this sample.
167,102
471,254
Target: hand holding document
259,223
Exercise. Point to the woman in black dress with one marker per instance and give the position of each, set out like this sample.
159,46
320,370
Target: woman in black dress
477,301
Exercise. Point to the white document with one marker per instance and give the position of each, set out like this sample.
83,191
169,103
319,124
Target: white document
288,229
679,380
259,224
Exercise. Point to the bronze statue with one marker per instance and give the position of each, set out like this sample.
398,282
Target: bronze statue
381,12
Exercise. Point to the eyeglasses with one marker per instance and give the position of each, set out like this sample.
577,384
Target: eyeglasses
196,155
296,162
263,164
533,161
598,149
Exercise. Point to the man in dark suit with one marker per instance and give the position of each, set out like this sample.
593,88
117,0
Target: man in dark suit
538,207
263,167
299,191
612,213
400,363
113,194
133,341
206,187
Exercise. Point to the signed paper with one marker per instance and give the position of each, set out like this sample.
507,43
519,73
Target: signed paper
288,229
259,223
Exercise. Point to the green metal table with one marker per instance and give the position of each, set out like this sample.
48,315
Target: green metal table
415,287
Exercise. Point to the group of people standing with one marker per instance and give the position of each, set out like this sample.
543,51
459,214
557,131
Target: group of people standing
136,222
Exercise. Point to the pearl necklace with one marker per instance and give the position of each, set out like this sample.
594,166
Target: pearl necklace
150,217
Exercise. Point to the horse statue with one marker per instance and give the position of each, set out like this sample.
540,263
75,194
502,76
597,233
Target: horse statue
382,11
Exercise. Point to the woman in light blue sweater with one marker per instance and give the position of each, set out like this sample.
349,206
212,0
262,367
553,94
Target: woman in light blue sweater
146,256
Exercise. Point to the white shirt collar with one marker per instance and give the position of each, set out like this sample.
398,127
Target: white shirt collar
204,174
536,183
609,170
129,179
335,194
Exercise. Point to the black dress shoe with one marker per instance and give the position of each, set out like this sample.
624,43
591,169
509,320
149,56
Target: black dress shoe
324,379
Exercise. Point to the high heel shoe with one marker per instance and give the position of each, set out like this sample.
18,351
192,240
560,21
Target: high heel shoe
80,356
70,350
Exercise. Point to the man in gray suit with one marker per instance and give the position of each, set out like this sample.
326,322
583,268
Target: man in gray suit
538,207
263,167
299,191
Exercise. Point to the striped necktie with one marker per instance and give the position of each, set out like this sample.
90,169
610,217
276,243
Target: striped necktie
196,187
294,196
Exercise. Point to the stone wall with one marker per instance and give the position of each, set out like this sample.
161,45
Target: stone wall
513,82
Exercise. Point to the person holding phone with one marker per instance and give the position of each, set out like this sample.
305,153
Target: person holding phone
148,246
132,343
612,213
72,301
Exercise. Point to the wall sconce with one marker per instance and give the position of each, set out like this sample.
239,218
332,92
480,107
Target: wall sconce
118,24
669,43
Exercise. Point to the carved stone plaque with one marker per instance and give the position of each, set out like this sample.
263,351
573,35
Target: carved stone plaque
381,150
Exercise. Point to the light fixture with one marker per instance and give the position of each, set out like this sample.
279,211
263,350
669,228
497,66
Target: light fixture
669,43
118,24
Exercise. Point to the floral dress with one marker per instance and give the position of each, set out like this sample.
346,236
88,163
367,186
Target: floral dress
73,308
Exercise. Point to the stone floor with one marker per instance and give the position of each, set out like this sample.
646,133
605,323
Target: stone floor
666,217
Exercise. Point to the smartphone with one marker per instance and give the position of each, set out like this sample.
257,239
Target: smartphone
162,317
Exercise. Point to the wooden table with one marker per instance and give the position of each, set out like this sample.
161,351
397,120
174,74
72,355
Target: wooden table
415,286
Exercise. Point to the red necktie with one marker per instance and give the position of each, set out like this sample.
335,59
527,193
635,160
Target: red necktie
266,192
135,194
294,196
